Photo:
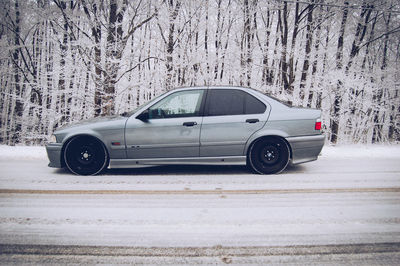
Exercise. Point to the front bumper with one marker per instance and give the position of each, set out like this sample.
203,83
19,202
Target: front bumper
54,154
306,148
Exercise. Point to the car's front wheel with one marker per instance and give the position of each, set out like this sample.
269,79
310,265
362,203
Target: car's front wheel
85,155
269,155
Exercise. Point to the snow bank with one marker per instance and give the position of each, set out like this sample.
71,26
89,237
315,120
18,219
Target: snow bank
361,151
22,152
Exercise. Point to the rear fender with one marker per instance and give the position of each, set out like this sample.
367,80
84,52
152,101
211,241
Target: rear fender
264,133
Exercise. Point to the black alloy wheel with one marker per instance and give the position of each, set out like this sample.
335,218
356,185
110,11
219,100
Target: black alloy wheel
269,155
85,155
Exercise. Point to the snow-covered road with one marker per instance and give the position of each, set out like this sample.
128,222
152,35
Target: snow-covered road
351,195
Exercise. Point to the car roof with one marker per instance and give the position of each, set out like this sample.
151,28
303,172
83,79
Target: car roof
214,87
261,96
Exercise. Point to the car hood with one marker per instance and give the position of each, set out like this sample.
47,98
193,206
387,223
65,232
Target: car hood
93,122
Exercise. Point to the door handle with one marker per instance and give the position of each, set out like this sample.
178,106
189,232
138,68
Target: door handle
189,124
252,121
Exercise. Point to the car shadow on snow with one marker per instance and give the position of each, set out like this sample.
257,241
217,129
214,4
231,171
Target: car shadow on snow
182,170
189,170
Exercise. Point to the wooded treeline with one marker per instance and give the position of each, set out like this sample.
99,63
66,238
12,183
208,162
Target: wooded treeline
63,61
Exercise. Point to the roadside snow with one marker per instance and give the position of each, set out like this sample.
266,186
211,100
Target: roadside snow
22,152
361,151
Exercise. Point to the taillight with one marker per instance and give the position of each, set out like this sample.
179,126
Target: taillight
318,124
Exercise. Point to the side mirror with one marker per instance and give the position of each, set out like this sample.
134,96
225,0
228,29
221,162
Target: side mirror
144,116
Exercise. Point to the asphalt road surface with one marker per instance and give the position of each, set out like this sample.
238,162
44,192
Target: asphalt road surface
337,210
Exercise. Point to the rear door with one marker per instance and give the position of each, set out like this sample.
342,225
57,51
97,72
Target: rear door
231,117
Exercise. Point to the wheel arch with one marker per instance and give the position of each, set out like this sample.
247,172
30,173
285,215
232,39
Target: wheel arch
279,136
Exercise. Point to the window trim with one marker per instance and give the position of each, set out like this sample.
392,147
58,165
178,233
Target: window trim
201,109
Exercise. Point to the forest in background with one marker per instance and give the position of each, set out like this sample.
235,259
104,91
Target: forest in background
64,61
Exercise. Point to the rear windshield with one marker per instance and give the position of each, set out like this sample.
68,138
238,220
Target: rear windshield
287,103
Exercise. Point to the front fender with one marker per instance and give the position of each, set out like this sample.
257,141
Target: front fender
87,132
107,137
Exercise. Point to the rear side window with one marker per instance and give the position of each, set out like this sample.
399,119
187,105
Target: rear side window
253,105
233,102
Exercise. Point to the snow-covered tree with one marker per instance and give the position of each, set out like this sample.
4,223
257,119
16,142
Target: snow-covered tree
63,61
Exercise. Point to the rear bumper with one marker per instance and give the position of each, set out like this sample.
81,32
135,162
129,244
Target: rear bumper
54,154
306,148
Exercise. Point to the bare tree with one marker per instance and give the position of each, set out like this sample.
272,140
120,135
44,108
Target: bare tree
309,40
169,41
339,65
18,104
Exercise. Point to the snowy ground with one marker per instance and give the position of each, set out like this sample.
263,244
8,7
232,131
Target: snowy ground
323,211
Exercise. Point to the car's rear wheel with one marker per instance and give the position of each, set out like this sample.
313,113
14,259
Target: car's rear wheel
85,155
269,155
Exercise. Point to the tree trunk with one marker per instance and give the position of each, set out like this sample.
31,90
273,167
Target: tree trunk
315,63
359,34
230,21
218,34
169,63
61,106
335,115
18,104
283,26
96,35
266,72
108,99
246,46
291,66
306,63
379,115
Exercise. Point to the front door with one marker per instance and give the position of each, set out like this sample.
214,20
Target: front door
172,130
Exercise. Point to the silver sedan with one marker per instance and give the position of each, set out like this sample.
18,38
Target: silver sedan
196,125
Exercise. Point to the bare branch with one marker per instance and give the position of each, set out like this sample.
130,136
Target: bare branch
137,65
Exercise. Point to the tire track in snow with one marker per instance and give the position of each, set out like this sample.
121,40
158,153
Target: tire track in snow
241,251
205,192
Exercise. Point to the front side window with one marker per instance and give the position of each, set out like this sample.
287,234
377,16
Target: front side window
179,104
233,102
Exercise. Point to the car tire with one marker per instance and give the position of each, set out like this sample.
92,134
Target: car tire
84,155
269,155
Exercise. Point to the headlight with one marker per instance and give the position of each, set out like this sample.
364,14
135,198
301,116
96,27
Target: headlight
52,139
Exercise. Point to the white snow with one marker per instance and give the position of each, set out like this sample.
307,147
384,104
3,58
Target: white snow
178,219
337,167
362,151
339,151
22,152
